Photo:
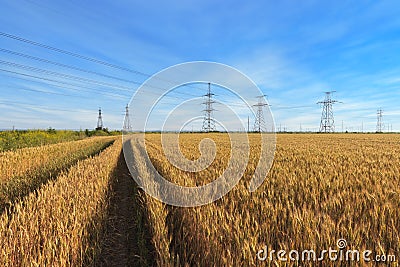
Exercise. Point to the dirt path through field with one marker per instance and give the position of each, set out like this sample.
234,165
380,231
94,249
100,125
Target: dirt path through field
127,239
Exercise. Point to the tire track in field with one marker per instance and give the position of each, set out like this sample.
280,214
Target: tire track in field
127,239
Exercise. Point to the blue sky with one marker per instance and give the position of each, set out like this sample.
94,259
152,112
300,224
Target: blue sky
293,50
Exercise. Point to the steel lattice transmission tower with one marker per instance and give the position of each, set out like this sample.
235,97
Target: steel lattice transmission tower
127,123
327,124
99,121
208,122
379,122
259,123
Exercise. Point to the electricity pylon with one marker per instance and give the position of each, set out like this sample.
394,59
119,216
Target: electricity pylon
327,124
99,121
259,123
379,122
127,123
208,122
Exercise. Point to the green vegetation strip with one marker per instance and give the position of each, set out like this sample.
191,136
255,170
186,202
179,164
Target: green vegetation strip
11,140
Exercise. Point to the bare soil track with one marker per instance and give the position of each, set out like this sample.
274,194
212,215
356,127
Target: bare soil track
126,240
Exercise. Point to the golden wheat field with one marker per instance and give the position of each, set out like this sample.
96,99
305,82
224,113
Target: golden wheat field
23,170
321,188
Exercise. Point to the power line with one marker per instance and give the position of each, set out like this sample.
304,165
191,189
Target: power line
23,104
89,89
66,66
89,59
65,76
80,79
105,93
98,61
83,70
72,54
43,92
25,40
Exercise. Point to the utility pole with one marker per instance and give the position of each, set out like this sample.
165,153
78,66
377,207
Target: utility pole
327,124
208,122
99,121
127,123
379,122
259,123
248,124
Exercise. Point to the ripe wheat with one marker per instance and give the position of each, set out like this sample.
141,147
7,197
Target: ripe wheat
321,188
61,224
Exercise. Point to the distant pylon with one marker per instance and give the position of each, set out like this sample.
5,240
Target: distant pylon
379,122
127,123
327,124
208,122
259,123
99,121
